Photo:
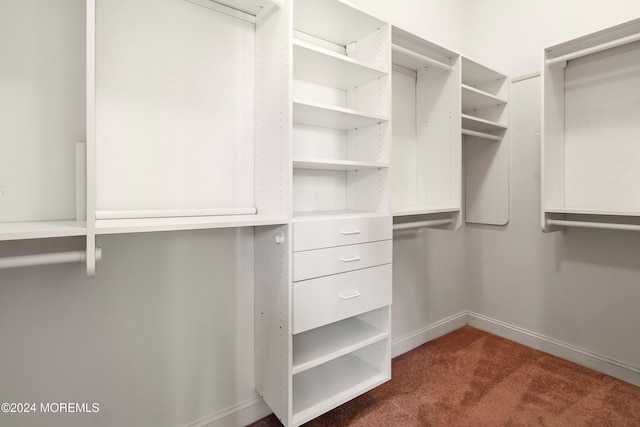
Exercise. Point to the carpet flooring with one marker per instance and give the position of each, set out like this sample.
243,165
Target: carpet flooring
472,378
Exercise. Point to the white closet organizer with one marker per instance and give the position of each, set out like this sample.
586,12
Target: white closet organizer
323,316
426,132
178,143
590,155
486,144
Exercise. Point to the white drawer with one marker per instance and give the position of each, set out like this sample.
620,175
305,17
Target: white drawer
323,262
329,233
328,299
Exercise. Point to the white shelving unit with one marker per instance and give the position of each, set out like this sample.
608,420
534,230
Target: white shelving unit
426,133
590,154
486,144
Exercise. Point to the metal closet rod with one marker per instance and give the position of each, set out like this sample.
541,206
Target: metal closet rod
47,259
422,224
585,224
594,49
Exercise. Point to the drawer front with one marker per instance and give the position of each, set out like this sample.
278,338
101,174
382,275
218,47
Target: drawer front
319,302
329,233
323,262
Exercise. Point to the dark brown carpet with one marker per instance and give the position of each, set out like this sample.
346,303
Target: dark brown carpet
473,378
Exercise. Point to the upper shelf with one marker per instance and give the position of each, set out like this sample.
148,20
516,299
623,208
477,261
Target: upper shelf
41,229
245,10
423,210
333,21
589,211
477,75
328,116
412,60
474,98
480,125
323,66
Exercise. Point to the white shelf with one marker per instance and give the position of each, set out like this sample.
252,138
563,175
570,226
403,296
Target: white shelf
141,225
589,211
481,125
412,60
335,165
329,116
322,66
333,21
473,98
335,215
41,229
474,74
324,387
423,210
323,344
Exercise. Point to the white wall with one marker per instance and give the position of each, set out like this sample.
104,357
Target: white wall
509,35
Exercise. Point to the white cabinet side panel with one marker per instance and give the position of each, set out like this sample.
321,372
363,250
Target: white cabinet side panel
42,105
175,111
602,111
273,338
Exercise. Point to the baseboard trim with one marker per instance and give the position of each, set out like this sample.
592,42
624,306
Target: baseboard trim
612,367
240,415
428,333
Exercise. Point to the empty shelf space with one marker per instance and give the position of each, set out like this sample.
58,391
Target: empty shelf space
140,225
326,386
41,229
412,60
333,21
481,135
474,74
335,165
480,125
329,116
322,66
323,344
474,98
423,210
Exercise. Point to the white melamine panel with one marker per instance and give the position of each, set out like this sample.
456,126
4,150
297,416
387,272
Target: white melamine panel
319,302
175,107
323,66
321,143
473,98
341,379
323,262
323,344
481,125
602,107
334,165
42,87
329,116
318,190
372,97
329,233
41,229
333,20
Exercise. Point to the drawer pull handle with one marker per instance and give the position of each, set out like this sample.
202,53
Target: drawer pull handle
349,233
355,294
352,259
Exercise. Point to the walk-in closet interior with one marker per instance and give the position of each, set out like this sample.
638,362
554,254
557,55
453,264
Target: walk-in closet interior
215,210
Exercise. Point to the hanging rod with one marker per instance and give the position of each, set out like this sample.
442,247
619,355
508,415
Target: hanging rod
480,134
422,224
594,49
585,224
46,259
172,213
425,60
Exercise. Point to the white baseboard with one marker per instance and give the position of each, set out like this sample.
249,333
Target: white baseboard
426,334
238,416
614,368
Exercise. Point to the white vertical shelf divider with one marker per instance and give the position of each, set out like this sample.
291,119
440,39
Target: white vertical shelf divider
485,118
589,131
91,138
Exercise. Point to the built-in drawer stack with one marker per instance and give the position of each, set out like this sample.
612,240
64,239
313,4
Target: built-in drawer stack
341,299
